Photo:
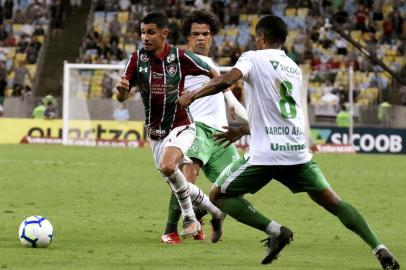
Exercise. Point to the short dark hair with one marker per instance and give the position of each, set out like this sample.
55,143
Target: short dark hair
160,19
201,17
273,28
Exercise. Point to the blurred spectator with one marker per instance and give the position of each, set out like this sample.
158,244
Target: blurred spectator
3,34
33,50
39,111
3,81
35,11
39,30
50,110
56,14
20,75
402,95
341,45
8,9
115,30
75,5
384,113
121,113
388,29
343,119
107,85
361,16
1,110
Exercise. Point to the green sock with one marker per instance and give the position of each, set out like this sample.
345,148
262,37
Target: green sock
353,220
174,213
243,211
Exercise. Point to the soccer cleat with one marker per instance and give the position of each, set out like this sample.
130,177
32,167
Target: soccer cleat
387,260
171,238
200,235
191,226
217,227
275,244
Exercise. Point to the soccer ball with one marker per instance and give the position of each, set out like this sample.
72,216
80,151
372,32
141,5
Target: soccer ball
36,231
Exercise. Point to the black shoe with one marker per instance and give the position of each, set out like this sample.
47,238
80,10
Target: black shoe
217,227
387,260
276,243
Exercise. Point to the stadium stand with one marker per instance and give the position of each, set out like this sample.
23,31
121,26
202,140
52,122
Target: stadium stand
379,26
23,32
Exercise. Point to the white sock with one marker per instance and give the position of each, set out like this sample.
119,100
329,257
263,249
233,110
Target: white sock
381,246
201,200
178,184
273,228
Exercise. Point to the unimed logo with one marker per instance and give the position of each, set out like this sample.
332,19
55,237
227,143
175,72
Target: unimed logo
370,143
99,132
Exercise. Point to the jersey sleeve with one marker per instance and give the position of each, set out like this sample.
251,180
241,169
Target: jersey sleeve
244,64
130,70
191,64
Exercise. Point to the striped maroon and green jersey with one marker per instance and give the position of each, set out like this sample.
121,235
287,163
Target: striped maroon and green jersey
161,82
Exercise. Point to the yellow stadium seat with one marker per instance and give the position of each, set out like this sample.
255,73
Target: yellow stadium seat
302,12
20,57
123,17
17,28
32,68
356,34
243,18
232,31
290,12
11,52
8,92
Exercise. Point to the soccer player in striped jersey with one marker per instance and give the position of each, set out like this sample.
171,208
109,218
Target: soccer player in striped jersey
209,114
278,145
159,71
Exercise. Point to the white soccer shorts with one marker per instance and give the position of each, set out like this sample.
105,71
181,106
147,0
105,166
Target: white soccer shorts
180,137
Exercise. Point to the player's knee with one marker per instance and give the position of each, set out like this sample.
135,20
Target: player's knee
215,195
167,168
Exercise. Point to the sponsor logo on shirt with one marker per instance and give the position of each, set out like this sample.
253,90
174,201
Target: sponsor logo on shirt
157,75
287,69
287,147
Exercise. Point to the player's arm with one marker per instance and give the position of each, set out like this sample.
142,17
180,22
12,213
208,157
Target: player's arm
128,80
232,134
123,89
234,104
214,86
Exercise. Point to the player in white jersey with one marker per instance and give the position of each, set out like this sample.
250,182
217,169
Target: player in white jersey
209,115
278,150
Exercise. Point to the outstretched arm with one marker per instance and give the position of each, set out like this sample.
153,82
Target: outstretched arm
214,86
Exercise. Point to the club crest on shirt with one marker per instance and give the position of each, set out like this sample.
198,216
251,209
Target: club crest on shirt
144,58
172,69
170,58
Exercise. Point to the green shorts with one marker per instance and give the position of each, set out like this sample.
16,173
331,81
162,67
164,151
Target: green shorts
240,177
214,157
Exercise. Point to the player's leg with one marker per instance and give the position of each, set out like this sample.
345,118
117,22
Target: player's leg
218,161
178,183
238,179
309,178
354,221
175,145
191,172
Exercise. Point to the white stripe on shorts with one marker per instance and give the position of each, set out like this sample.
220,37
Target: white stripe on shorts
232,177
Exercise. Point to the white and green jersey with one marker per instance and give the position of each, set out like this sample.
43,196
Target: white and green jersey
209,110
273,83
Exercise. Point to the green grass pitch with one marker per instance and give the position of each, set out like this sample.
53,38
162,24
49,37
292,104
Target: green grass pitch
109,206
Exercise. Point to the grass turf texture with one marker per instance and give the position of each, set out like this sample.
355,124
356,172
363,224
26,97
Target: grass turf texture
109,206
